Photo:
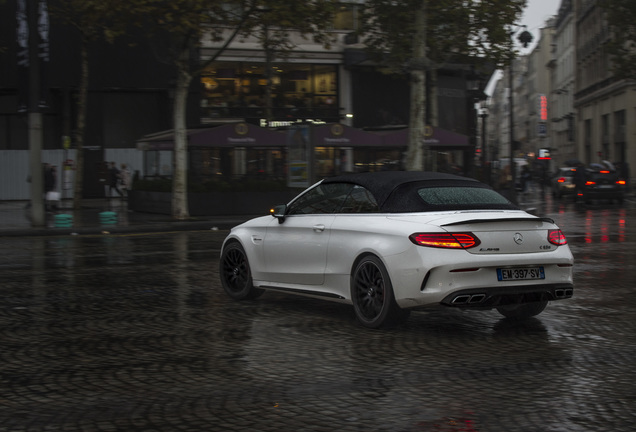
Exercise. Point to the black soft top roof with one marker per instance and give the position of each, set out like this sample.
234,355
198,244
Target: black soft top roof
382,184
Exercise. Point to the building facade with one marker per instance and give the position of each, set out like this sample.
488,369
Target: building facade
131,94
539,92
606,106
562,68
591,115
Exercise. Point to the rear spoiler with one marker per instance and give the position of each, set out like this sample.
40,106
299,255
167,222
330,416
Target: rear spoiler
517,219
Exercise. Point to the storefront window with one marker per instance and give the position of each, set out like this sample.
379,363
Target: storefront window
238,90
232,163
206,162
324,162
330,161
265,163
346,17
158,163
366,160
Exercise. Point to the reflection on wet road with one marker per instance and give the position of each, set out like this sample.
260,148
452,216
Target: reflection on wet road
135,333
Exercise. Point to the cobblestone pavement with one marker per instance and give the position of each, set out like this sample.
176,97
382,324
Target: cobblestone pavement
134,333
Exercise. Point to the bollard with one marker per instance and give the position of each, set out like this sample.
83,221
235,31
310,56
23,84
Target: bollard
63,220
108,218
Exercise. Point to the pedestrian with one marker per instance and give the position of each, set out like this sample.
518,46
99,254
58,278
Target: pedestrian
124,178
51,196
524,178
114,180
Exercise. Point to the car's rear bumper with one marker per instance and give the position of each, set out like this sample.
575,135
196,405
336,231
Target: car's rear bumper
486,298
450,274
604,193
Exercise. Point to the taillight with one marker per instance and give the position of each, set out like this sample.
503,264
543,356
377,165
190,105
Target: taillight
621,182
604,172
445,240
556,237
561,180
589,183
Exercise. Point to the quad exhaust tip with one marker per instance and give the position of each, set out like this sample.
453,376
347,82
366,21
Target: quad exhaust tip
563,293
469,299
474,299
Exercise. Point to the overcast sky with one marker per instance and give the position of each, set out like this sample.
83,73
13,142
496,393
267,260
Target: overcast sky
534,16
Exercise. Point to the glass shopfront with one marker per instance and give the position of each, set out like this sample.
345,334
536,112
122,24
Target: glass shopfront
236,163
298,91
330,161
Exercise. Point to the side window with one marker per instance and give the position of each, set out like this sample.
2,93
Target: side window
323,199
360,200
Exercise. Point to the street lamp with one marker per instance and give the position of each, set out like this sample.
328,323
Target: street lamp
525,37
485,166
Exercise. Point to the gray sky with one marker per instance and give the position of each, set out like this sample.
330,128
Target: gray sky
534,16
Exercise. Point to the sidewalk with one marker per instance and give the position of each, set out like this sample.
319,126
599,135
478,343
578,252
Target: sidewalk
90,220
14,218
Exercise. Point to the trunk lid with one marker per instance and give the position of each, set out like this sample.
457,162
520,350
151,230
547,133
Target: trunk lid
500,232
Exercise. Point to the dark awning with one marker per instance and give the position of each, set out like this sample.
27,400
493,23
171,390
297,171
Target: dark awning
230,135
163,140
238,135
436,138
331,135
339,135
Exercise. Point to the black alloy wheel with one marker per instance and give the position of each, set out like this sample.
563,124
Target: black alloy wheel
372,294
235,273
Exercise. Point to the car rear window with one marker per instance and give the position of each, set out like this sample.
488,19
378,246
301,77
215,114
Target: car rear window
452,196
445,195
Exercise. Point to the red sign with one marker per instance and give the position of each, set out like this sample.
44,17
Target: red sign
543,107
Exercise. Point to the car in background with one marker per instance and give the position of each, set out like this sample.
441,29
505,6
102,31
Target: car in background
602,183
394,241
562,182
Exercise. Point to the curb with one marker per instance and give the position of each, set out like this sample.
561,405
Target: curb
207,225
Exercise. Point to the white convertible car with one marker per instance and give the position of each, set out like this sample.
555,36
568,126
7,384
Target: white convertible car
391,242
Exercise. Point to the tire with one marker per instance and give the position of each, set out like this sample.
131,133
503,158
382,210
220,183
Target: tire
522,311
235,273
372,295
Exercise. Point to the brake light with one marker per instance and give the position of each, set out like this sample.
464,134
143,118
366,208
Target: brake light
621,182
604,172
445,240
589,183
556,237
561,180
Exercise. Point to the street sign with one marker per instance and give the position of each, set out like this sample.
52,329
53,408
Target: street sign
542,129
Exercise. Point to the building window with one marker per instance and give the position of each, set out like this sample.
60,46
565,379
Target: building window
346,17
238,90
619,122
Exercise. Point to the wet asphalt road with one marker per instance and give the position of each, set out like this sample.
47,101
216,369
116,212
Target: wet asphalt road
134,333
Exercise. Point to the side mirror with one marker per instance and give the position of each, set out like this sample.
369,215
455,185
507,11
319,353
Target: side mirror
279,212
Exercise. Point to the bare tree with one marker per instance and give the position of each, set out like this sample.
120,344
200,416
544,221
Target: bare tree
93,20
416,36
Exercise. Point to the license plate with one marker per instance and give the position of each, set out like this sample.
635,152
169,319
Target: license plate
520,273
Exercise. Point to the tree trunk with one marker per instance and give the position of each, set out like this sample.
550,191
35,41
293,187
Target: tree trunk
180,172
415,152
269,58
81,126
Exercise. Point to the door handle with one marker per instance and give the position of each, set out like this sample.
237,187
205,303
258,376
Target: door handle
319,228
